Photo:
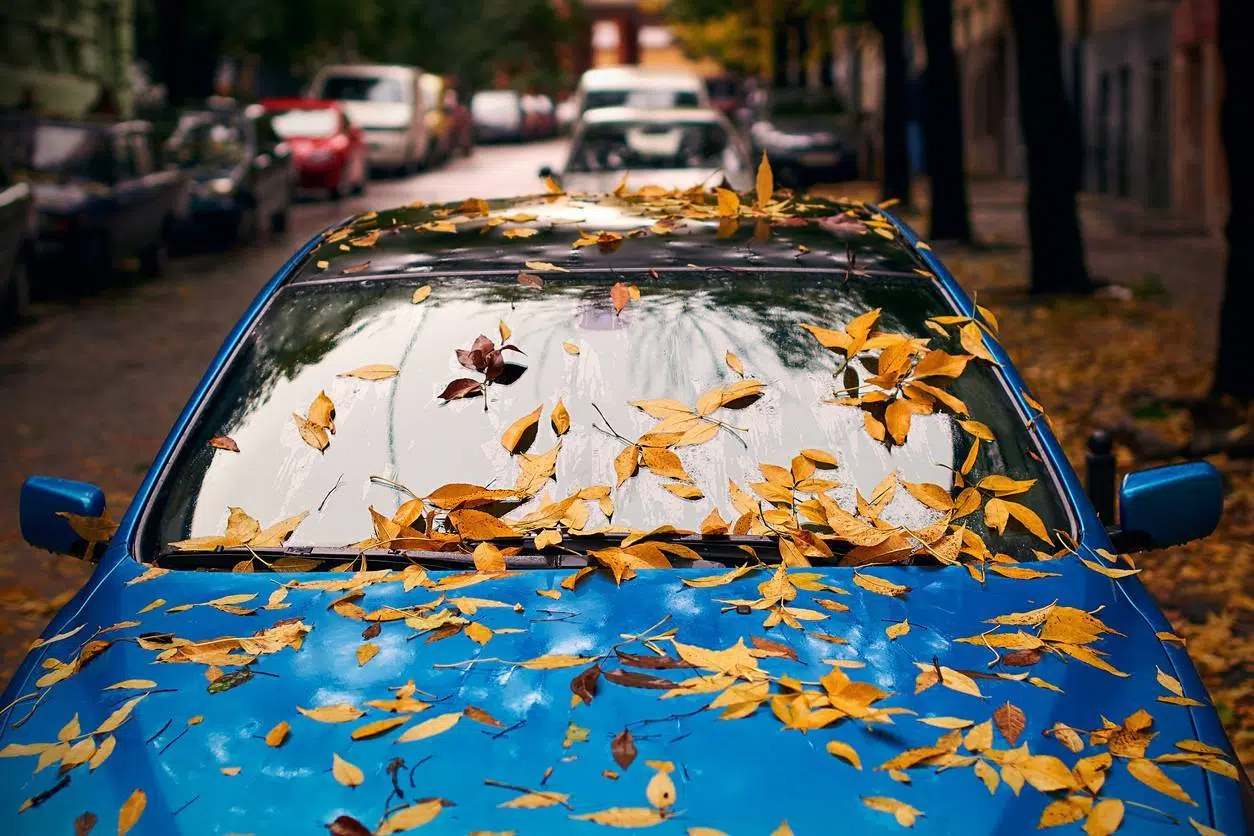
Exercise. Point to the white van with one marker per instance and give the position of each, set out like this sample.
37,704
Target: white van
639,88
386,102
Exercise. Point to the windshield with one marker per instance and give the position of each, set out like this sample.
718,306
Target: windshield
210,143
70,151
360,358
651,98
354,88
626,145
306,123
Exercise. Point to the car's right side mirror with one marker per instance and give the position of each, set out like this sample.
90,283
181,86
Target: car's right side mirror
1170,505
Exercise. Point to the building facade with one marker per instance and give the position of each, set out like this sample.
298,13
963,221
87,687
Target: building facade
67,57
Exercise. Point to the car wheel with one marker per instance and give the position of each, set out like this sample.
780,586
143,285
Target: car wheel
16,306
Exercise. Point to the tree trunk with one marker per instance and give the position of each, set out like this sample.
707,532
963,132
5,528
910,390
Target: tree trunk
1053,151
946,167
1234,367
887,16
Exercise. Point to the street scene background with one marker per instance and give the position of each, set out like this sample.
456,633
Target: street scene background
1126,340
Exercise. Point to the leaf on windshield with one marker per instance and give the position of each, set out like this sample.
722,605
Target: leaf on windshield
374,371
520,434
621,294
421,294
488,558
462,387
345,772
223,442
733,363
531,280
560,418
728,203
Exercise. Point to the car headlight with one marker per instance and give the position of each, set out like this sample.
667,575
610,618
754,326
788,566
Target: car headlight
222,185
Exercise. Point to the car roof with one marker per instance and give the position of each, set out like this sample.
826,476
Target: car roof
609,77
647,229
605,115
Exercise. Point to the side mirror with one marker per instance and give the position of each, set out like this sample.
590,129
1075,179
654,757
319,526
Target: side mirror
546,171
43,497
1167,506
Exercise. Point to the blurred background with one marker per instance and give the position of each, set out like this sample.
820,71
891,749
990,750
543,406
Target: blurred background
1071,159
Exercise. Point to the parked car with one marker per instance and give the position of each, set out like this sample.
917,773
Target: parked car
328,151
461,127
511,603
387,103
567,113
17,233
807,138
100,198
539,118
497,116
241,171
638,87
673,149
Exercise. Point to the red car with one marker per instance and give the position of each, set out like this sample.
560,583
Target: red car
329,151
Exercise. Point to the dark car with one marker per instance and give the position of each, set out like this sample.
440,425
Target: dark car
241,170
725,94
328,151
17,228
806,137
747,514
101,197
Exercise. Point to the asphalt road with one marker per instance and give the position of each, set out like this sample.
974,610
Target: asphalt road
90,387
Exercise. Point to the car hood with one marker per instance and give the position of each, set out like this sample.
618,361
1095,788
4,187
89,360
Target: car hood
203,763
674,179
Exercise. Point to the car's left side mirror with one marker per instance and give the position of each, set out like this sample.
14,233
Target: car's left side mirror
42,500
1170,505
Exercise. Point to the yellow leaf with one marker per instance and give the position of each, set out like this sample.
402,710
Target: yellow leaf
479,633
551,186
536,800
904,813
421,294
519,232
411,817
339,713
102,752
728,203
131,810
512,440
119,716
560,418
70,730
1019,572
570,348
947,722
1204,830
554,661
430,728
624,817
488,558
661,791
1105,817
929,675
719,580
973,341
1064,811
1149,773
840,749
896,631
375,371
377,728
986,774
1047,773
733,363
683,491
1169,682
277,735
544,265
897,419
366,652
765,182
879,586
79,753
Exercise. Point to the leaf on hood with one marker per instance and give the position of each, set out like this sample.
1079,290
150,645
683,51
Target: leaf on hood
584,684
765,182
896,631
430,728
119,715
930,674
733,363
462,387
624,817
1105,817
1010,721
421,294
902,812
560,419
338,713
880,586
536,800
131,810
374,371
844,751
661,790
1149,774
554,661
366,652
346,773
520,434
623,748
531,280
378,727
277,735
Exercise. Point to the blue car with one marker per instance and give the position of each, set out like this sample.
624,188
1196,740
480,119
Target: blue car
693,511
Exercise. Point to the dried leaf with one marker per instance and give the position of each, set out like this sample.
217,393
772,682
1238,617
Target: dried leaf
411,817
222,442
345,772
277,735
1148,773
366,652
570,348
375,371
1010,721
623,748
733,363
765,182
624,817
560,418
844,751
530,280
902,812
131,810
620,295
338,713
896,631
421,294
462,387
488,558
519,435
430,728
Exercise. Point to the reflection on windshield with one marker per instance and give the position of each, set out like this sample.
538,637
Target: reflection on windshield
362,89
672,344
624,145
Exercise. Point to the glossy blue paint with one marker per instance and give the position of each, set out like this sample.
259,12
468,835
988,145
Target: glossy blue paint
43,497
741,776
1172,504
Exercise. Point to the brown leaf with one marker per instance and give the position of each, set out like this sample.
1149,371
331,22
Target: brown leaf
584,685
620,295
462,387
1010,721
649,662
530,280
773,647
626,463
84,823
560,418
474,712
623,748
347,826
633,679
222,442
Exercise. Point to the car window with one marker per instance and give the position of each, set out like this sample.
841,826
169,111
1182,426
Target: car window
670,346
363,89
305,123
626,145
